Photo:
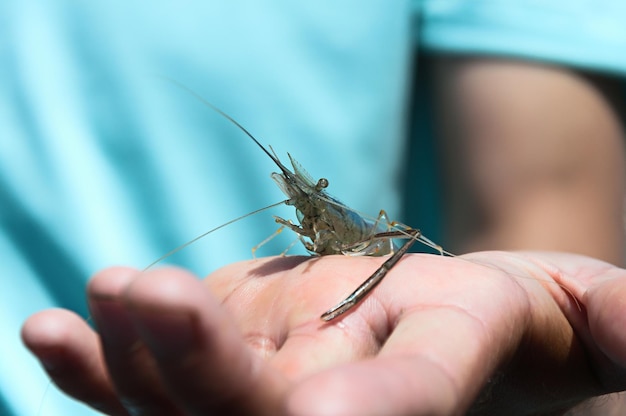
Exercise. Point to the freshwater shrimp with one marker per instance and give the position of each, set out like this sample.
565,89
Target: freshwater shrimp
326,226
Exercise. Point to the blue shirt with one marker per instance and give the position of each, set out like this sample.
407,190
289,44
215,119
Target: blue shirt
104,162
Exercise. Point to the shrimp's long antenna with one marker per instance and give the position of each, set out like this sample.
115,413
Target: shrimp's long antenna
183,87
188,243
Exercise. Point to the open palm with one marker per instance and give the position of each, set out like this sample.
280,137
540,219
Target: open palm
488,333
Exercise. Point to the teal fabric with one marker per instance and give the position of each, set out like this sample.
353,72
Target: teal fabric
580,33
104,162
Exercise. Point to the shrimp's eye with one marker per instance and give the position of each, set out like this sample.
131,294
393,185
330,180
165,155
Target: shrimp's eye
321,184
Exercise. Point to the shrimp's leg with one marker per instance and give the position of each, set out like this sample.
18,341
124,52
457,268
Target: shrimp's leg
371,282
267,240
298,230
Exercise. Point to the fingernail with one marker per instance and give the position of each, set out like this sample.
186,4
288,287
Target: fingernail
167,334
113,322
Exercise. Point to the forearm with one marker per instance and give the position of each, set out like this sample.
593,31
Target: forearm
537,152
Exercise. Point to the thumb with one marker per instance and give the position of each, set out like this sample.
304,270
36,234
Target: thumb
606,316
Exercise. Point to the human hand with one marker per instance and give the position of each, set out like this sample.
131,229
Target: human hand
428,340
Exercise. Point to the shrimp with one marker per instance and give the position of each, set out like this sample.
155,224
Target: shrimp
326,226
329,227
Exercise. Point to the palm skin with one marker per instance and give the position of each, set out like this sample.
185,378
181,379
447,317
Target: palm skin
488,333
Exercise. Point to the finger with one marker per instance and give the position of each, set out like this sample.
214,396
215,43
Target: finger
573,275
598,313
70,352
492,315
425,368
606,311
200,354
376,388
129,363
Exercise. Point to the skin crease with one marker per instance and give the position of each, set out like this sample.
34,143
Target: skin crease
248,339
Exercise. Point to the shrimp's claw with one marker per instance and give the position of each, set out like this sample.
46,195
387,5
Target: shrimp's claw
338,309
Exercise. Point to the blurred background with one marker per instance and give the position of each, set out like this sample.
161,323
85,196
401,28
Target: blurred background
103,161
